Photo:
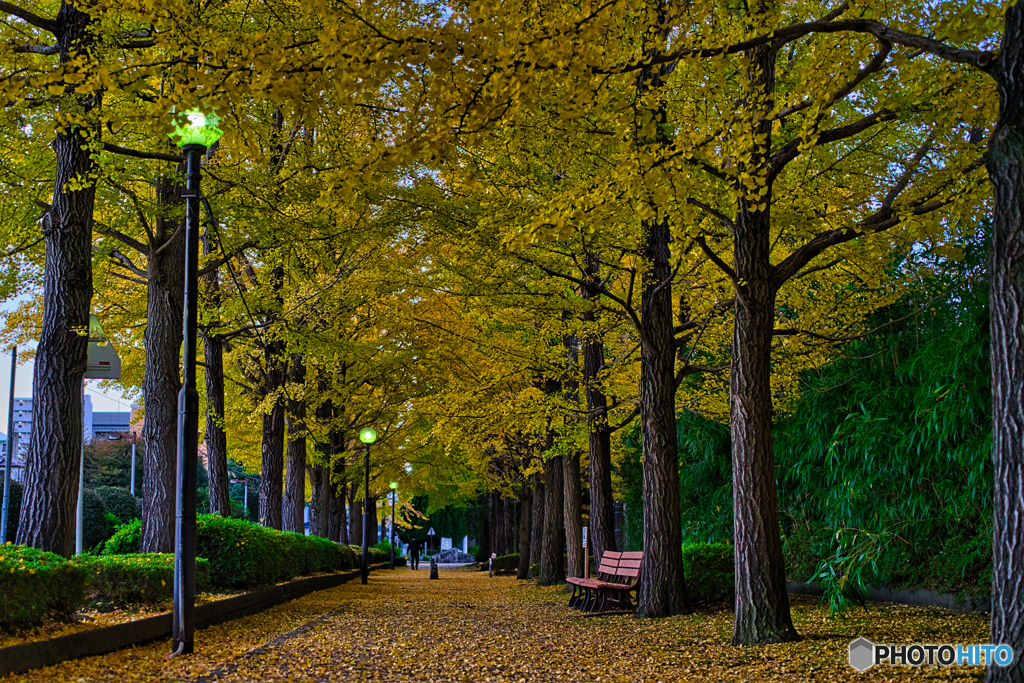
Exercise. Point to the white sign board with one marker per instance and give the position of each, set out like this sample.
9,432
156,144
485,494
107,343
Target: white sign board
446,543
584,537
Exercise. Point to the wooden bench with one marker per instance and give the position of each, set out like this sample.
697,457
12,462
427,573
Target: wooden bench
618,576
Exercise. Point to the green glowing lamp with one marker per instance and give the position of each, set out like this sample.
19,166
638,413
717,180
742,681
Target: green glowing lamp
367,435
197,128
394,484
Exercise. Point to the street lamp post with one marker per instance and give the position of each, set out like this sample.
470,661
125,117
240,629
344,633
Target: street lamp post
394,496
195,132
367,436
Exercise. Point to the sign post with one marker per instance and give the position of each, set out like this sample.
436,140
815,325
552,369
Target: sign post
490,564
586,556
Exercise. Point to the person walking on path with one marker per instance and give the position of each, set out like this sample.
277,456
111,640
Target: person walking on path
415,546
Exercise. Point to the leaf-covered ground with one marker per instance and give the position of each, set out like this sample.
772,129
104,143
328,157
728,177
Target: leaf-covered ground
468,627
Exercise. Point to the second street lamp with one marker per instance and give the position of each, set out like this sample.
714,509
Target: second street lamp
195,131
367,436
394,496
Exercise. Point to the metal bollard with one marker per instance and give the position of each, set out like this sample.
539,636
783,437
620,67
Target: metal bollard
433,567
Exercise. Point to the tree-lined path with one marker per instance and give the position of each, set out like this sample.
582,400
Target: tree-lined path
404,627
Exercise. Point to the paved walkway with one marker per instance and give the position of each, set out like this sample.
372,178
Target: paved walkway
467,627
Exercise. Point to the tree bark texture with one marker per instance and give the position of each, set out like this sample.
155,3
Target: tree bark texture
762,602
602,506
272,469
374,525
662,591
340,491
162,339
216,438
553,540
573,513
537,523
295,469
47,518
525,533
355,515
502,524
1006,299
319,483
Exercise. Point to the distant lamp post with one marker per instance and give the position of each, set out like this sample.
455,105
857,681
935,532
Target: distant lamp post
195,131
394,497
367,436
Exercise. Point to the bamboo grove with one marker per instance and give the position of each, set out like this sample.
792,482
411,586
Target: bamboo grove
501,233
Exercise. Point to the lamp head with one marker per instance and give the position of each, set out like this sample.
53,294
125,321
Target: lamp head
394,485
367,435
195,127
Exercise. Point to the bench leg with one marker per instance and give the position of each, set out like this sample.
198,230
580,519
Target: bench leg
574,599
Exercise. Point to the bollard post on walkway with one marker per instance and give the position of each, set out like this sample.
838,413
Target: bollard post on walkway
433,567
490,565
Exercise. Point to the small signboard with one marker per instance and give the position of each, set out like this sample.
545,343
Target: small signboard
103,361
446,543
584,537
431,532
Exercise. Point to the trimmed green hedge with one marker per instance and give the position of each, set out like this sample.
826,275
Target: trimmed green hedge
243,554
709,569
505,564
144,577
373,555
35,584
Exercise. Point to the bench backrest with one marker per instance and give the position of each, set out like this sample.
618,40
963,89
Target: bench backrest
609,565
629,565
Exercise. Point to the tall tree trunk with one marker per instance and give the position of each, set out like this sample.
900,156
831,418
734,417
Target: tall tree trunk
374,527
537,523
762,602
272,470
572,503
272,455
506,525
553,544
295,471
573,512
355,515
525,532
319,482
602,506
662,589
1006,298
47,517
340,494
161,381
216,437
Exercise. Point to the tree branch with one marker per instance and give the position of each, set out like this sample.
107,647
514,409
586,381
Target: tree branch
159,156
34,19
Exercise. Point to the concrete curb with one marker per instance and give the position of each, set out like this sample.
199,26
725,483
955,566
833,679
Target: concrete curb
920,598
18,659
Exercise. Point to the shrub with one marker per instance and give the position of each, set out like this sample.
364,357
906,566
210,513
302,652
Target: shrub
95,527
147,577
35,583
709,569
120,502
243,554
474,550
506,564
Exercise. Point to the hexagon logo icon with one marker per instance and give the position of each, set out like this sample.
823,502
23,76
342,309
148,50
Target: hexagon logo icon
862,654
